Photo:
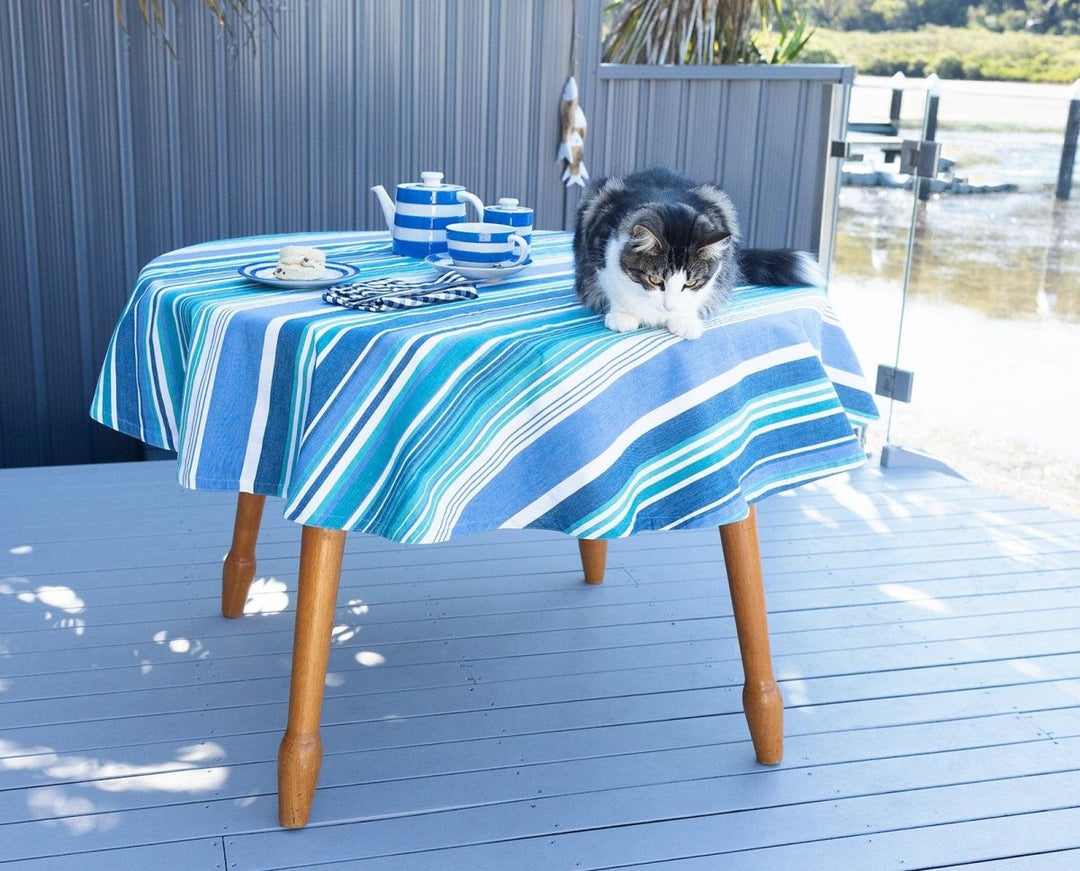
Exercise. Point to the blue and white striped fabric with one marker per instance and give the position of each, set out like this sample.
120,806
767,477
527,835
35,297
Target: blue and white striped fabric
516,409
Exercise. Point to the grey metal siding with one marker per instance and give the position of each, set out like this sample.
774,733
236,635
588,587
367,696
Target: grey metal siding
114,152
764,141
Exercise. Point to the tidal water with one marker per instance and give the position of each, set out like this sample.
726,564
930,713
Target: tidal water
990,318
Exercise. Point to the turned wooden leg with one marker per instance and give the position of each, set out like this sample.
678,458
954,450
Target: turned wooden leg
300,754
593,558
762,701
239,569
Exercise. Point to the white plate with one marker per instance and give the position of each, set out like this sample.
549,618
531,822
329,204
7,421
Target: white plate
264,274
443,263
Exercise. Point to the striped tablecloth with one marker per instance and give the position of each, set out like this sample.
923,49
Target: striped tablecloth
517,409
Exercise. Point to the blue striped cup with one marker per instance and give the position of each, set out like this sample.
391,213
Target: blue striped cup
485,245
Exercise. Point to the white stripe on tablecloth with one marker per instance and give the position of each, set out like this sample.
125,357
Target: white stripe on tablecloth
201,382
261,412
632,507
847,379
594,469
201,388
346,430
98,404
772,484
732,430
155,352
801,476
311,353
343,384
532,422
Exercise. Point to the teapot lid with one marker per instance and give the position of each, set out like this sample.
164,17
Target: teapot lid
430,181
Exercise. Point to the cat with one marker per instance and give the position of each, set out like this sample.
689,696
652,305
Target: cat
655,249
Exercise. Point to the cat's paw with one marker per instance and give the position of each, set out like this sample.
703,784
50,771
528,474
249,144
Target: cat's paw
688,328
621,322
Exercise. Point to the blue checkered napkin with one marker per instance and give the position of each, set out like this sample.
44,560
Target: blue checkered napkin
392,294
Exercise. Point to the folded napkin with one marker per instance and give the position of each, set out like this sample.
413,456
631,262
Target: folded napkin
390,294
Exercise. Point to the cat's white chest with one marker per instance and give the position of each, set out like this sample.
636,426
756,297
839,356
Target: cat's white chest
632,306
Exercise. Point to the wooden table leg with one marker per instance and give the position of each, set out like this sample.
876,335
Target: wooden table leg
300,754
239,569
593,558
762,702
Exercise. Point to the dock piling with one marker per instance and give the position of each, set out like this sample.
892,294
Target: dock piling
1068,147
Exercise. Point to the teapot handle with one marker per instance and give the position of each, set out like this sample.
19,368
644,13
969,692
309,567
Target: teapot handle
474,200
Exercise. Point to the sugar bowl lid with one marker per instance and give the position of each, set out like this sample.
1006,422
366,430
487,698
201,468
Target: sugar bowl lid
508,204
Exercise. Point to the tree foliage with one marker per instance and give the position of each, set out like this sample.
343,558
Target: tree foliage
703,32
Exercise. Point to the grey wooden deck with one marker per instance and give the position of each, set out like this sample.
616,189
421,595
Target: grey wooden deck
486,709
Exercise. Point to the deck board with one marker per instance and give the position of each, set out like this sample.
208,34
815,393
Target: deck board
486,709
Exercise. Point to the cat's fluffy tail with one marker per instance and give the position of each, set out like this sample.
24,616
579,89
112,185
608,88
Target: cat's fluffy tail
779,267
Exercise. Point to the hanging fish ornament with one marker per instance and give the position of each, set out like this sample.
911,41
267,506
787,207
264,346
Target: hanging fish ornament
572,146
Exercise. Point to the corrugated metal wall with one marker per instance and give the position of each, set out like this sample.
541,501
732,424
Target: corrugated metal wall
114,152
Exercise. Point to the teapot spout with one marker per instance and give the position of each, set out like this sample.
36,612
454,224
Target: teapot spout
387,205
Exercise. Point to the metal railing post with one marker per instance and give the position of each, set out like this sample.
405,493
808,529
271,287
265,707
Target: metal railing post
1068,147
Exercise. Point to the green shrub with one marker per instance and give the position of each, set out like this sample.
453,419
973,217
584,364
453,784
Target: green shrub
949,66
818,56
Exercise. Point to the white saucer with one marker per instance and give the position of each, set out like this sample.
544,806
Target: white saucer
264,274
443,263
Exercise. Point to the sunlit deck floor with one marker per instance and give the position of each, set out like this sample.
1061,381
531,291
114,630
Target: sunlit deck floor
486,709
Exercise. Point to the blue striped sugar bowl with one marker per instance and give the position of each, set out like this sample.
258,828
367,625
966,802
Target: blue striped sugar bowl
507,211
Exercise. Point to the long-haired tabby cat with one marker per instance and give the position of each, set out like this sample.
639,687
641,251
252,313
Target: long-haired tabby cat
655,249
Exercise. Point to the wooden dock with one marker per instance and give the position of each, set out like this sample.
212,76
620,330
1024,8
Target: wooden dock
487,709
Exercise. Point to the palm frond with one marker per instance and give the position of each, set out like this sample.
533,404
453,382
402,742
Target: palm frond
698,31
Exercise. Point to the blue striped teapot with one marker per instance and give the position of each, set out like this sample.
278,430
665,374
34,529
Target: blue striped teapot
420,212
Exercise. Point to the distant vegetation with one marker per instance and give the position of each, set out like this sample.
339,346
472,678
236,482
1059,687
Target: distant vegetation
952,53
1032,16
1017,40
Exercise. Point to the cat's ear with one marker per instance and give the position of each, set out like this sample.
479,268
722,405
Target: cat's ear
712,241
643,240
715,244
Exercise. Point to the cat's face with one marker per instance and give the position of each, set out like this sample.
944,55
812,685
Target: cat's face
673,255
